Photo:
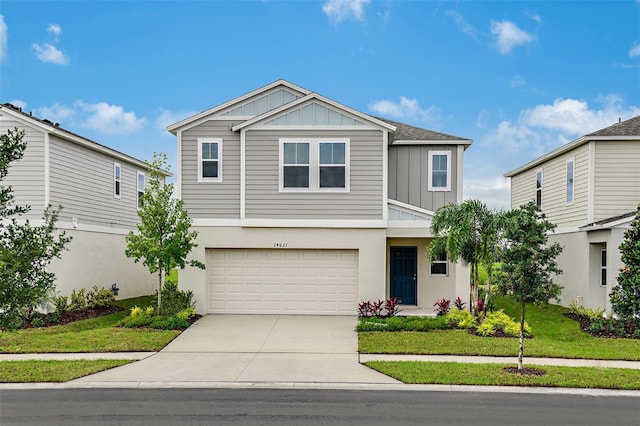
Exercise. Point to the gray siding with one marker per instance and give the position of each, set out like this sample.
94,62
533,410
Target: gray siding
409,173
212,199
617,178
82,182
363,201
26,175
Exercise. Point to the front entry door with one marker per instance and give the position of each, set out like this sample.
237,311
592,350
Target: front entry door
404,268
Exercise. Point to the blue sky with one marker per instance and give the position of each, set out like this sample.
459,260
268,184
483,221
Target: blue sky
519,78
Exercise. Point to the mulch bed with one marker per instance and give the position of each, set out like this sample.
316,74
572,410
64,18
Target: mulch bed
526,371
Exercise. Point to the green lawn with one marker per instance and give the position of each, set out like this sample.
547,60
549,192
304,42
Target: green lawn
452,373
554,336
53,371
93,335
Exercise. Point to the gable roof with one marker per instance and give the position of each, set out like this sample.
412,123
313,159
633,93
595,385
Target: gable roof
55,129
408,133
623,130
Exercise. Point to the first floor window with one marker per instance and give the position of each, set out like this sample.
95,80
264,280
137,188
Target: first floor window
141,186
440,171
603,267
314,165
209,160
117,179
570,178
439,266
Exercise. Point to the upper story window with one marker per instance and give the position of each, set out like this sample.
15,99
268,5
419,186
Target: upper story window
603,267
440,174
570,179
117,179
209,160
141,186
539,188
314,165
439,266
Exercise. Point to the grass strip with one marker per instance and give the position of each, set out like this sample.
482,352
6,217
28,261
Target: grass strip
452,373
37,371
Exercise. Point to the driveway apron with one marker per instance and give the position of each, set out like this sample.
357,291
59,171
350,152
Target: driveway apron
254,349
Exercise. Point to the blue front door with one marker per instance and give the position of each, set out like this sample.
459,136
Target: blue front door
404,269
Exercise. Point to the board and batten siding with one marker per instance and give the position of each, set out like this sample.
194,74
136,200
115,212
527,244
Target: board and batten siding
362,202
409,170
617,178
81,180
212,199
26,175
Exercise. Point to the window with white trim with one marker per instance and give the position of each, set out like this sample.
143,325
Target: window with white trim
439,266
440,171
314,165
570,180
209,160
140,176
117,180
539,188
603,267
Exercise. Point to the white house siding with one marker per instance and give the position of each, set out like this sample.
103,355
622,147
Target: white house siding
97,258
409,170
369,244
82,182
212,199
363,201
26,175
617,178
523,188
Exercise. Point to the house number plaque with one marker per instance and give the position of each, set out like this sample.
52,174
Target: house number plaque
281,245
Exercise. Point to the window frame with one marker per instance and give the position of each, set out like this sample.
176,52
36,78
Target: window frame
314,165
571,161
440,261
430,186
201,142
539,185
603,268
117,180
144,183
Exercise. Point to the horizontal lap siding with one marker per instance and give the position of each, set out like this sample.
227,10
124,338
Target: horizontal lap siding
523,188
617,178
409,173
211,199
363,201
82,182
26,175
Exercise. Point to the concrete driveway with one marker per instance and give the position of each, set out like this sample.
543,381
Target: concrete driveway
255,349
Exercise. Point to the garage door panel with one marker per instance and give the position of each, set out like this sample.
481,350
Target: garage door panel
276,281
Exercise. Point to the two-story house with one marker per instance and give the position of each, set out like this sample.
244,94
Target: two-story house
307,206
99,189
590,188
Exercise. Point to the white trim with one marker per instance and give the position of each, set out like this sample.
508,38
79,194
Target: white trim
305,127
82,227
314,164
47,169
179,165
459,174
243,174
409,224
446,263
430,186
466,142
608,225
291,223
138,174
117,179
411,208
565,230
217,141
591,208
571,202
385,175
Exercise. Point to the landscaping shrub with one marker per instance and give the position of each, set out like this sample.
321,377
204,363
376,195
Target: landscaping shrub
379,308
459,318
174,300
458,303
413,323
169,323
500,322
78,300
442,306
99,298
581,311
61,304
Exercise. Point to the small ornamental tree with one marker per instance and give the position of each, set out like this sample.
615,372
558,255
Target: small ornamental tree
625,296
163,238
528,262
25,250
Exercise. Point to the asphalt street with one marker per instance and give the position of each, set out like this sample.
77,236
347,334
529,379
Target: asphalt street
309,407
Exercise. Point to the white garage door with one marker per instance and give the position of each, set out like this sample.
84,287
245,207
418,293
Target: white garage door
266,281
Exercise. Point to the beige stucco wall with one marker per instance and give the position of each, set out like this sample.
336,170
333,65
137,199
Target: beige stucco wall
97,258
370,244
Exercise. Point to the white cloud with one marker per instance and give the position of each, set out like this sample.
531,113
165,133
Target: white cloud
517,81
508,36
19,103
166,117
4,34
406,109
342,10
536,18
109,118
634,50
494,192
56,112
49,53
55,29
462,24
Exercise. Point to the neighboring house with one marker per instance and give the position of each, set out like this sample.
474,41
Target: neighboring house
99,190
306,206
590,188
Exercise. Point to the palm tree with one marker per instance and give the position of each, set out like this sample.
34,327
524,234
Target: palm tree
467,231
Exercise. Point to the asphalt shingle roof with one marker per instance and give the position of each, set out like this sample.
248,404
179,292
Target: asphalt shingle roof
630,127
405,132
